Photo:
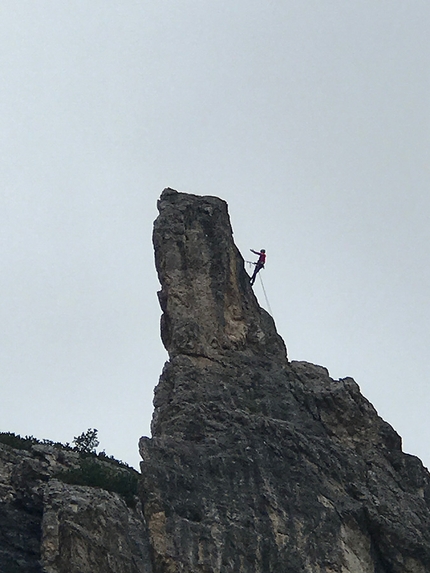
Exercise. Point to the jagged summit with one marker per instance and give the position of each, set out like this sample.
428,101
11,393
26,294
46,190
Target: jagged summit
208,305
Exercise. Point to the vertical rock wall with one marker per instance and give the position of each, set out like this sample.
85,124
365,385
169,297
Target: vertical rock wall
257,464
208,306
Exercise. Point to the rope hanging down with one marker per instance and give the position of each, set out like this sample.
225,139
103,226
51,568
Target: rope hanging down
250,263
265,295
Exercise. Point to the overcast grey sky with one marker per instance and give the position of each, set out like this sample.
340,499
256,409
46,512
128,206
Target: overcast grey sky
311,119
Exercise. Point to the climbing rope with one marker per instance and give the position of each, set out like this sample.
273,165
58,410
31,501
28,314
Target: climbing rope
250,263
265,295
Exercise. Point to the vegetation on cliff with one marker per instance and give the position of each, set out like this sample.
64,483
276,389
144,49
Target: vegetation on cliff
93,469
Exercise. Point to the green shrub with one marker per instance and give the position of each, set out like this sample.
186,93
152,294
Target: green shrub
94,473
95,470
87,442
17,442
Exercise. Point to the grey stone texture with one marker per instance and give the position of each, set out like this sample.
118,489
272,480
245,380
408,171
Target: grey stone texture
47,526
256,464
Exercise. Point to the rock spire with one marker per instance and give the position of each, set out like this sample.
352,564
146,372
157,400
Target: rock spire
209,309
257,464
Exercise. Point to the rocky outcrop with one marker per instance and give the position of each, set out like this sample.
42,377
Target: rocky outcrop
48,526
208,306
257,464
91,530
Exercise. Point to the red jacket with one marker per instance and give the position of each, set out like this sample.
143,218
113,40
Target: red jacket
262,257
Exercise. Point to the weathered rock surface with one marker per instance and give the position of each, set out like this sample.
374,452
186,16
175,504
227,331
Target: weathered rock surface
257,464
47,526
84,530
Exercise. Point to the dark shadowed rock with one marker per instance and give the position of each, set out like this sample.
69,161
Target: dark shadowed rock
84,529
47,526
257,464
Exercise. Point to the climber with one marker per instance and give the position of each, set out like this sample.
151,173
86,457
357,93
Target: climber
259,264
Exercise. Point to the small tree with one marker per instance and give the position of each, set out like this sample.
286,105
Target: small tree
87,442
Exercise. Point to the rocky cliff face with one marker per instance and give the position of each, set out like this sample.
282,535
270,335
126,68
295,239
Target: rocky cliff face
256,464
50,526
